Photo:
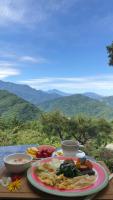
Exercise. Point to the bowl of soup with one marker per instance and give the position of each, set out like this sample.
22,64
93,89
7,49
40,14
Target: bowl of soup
18,162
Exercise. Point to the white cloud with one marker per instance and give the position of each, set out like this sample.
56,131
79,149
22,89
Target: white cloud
22,58
8,69
102,84
31,59
6,72
28,58
5,64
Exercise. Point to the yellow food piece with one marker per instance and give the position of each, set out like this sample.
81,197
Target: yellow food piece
32,150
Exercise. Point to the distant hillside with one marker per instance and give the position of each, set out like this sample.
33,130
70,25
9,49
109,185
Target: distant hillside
93,95
58,92
29,94
108,100
12,106
77,104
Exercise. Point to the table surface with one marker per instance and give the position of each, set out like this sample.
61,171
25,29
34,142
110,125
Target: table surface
27,191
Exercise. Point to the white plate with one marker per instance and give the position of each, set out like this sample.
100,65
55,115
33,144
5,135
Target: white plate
59,152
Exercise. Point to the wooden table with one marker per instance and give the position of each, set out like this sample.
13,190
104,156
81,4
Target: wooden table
27,191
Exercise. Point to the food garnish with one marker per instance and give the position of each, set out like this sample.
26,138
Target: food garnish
12,183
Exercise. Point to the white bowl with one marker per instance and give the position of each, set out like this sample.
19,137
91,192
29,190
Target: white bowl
13,162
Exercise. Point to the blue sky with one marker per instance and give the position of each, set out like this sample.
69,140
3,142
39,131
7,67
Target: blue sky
57,44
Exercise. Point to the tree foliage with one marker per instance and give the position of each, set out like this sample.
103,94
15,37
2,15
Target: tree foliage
54,123
110,53
53,127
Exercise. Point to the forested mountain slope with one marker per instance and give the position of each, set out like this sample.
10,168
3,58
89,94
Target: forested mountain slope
77,104
13,106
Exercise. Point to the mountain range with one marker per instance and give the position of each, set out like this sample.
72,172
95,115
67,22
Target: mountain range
27,93
28,103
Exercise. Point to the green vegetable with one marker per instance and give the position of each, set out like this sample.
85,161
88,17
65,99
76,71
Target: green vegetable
69,169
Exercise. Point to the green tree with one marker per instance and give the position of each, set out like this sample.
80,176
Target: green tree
55,124
82,130
104,133
110,53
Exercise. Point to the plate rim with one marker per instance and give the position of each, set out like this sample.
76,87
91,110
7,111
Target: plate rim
65,193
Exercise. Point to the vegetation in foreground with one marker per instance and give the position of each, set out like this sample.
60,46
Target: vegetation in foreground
53,127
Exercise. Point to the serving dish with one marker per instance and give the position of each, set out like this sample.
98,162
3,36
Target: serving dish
101,180
17,162
41,151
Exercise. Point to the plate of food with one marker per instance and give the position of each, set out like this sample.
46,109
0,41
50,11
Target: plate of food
41,151
68,177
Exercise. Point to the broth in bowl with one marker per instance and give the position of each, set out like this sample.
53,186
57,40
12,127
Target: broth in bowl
18,161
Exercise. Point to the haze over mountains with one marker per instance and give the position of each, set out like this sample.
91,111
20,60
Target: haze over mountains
54,91
28,103
93,95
